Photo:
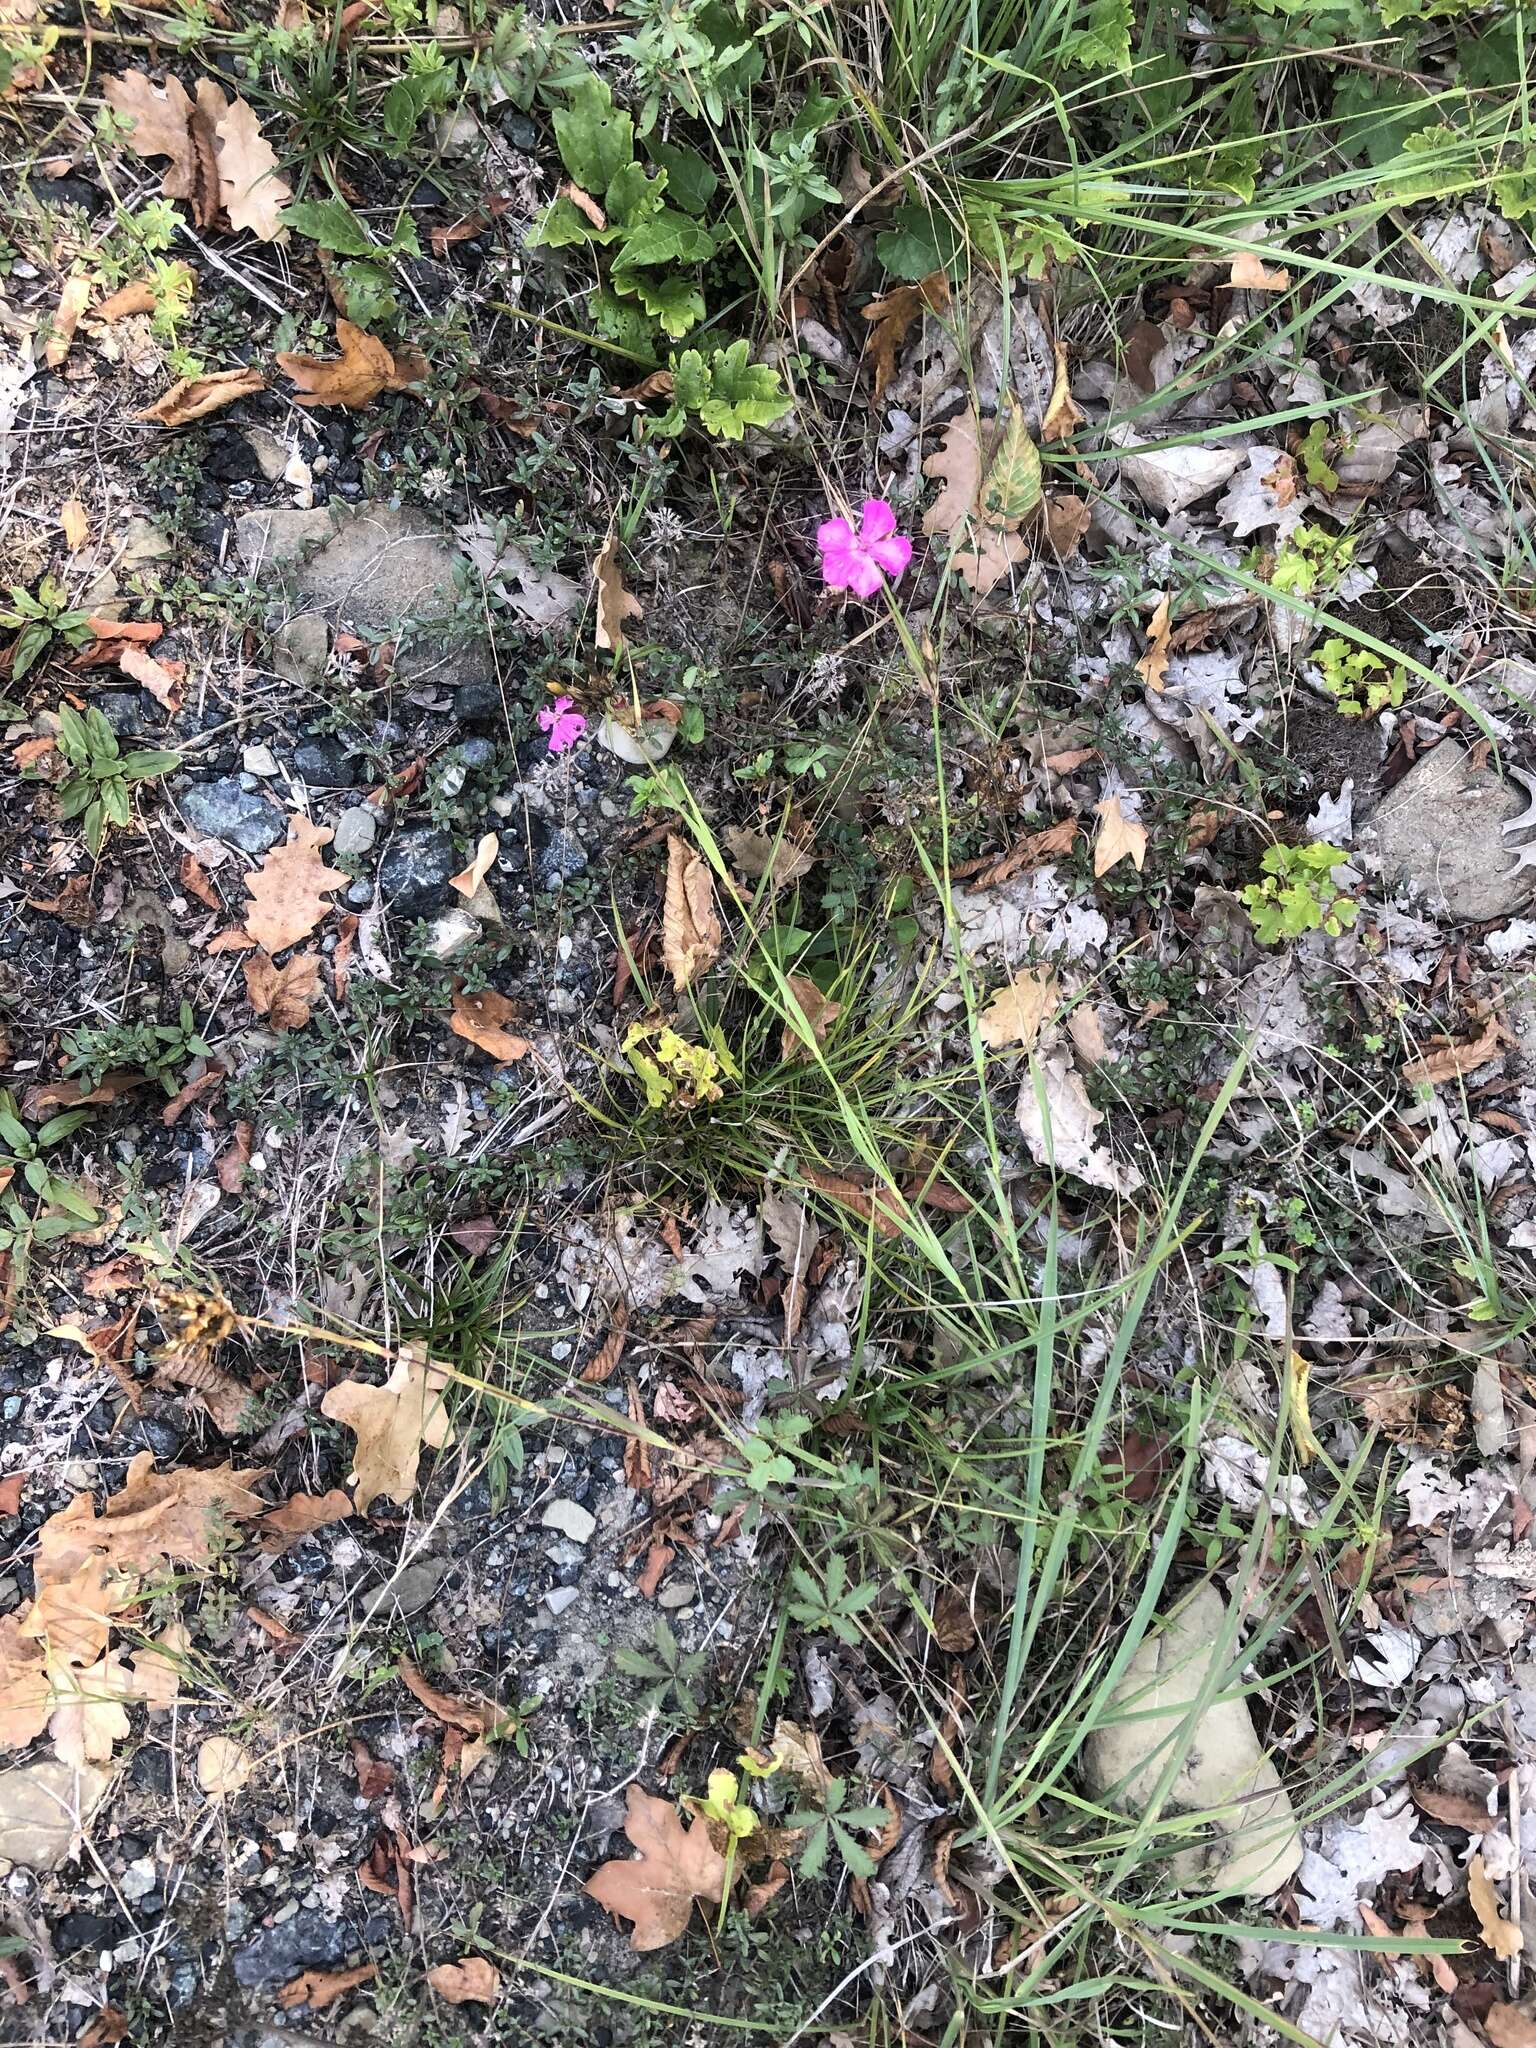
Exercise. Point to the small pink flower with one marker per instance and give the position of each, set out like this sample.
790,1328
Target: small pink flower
861,561
564,726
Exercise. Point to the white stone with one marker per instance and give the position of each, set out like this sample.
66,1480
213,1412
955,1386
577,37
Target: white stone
571,1519
558,1598
1248,1842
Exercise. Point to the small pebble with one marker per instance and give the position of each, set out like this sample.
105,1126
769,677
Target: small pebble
558,1598
259,760
571,1519
356,829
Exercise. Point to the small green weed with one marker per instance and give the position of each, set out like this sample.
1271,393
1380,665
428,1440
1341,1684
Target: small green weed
162,1051
38,619
1298,894
831,1826
97,787
1359,682
670,1672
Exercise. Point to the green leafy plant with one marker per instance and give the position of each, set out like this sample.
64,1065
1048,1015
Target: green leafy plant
1312,559
97,787
58,1208
163,1051
675,1073
1359,682
1298,894
726,395
669,1671
697,53
38,619
831,1605
831,1826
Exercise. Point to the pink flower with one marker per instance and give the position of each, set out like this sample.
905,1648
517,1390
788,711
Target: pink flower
861,561
564,726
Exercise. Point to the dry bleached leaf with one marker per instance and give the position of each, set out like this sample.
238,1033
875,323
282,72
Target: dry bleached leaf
1063,415
1015,1014
1249,274
690,929
992,549
1153,665
1062,1131
288,889
391,1424
1118,837
760,857
1501,1935
677,1864
468,880
250,190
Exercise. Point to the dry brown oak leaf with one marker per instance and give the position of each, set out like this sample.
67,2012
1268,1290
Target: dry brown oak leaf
657,1888
615,604
158,1518
391,1424
821,1013
355,378
219,159
26,1697
283,995
690,930
287,891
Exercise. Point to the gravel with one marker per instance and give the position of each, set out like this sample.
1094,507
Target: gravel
413,875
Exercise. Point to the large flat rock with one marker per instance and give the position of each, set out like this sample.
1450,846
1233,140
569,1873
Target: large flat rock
384,572
1438,833
1248,1842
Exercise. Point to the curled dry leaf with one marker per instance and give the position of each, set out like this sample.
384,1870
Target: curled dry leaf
1061,1133
287,891
355,378
690,930
1015,1014
163,683
483,1019
677,1865
195,397
1063,415
821,1013
468,880
283,995
317,1989
469,1717
250,191
614,603
892,316
1032,851
1450,1062
128,299
1119,838
391,1424
1508,2027
1153,665
472,1980
1067,520
1501,1935
74,521
300,1516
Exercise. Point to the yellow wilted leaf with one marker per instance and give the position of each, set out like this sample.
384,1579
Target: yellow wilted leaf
1501,1935
1119,836
75,522
391,1424
1063,416
1012,489
1153,665
1015,1014
1249,274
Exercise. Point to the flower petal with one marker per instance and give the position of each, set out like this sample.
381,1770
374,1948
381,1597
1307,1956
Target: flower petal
892,554
833,534
876,520
864,578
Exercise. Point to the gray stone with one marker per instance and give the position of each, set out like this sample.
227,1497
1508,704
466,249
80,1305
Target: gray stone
414,1589
414,872
675,1596
360,895
1249,1842
561,859
356,829
478,753
223,810
479,703
301,649
385,571
571,1519
270,451
122,710
558,1598
143,542
43,1807
1438,833
324,763
307,1940
260,760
